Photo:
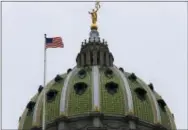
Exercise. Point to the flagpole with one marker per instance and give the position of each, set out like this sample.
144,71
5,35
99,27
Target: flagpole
44,83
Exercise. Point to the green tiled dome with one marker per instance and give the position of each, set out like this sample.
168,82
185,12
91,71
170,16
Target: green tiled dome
97,94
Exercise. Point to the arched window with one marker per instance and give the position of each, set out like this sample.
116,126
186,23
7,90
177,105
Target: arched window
162,104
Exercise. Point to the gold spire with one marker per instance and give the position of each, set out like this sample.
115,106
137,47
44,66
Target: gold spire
94,15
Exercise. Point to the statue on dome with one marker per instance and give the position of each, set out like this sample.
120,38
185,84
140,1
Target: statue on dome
94,14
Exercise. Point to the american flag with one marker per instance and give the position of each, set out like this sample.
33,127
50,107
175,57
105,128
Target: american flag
55,42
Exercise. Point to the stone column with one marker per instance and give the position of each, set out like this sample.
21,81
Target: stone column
82,59
101,58
107,59
88,59
111,59
78,60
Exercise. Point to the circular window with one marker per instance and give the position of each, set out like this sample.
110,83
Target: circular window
109,73
82,73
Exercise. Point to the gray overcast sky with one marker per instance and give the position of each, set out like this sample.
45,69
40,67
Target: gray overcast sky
148,39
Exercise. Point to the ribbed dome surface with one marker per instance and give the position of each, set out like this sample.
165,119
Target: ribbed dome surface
108,91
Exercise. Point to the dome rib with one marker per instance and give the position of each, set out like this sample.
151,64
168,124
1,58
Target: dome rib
123,90
165,117
38,110
127,91
172,124
95,84
64,91
38,107
22,121
152,98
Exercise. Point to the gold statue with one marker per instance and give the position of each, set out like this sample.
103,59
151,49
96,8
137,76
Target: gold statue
94,15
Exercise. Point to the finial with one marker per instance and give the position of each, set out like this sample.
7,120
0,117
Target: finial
103,41
94,15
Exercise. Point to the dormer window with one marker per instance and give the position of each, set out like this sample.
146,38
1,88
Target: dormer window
151,86
40,88
141,93
30,107
132,77
58,78
162,104
51,94
121,69
69,70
